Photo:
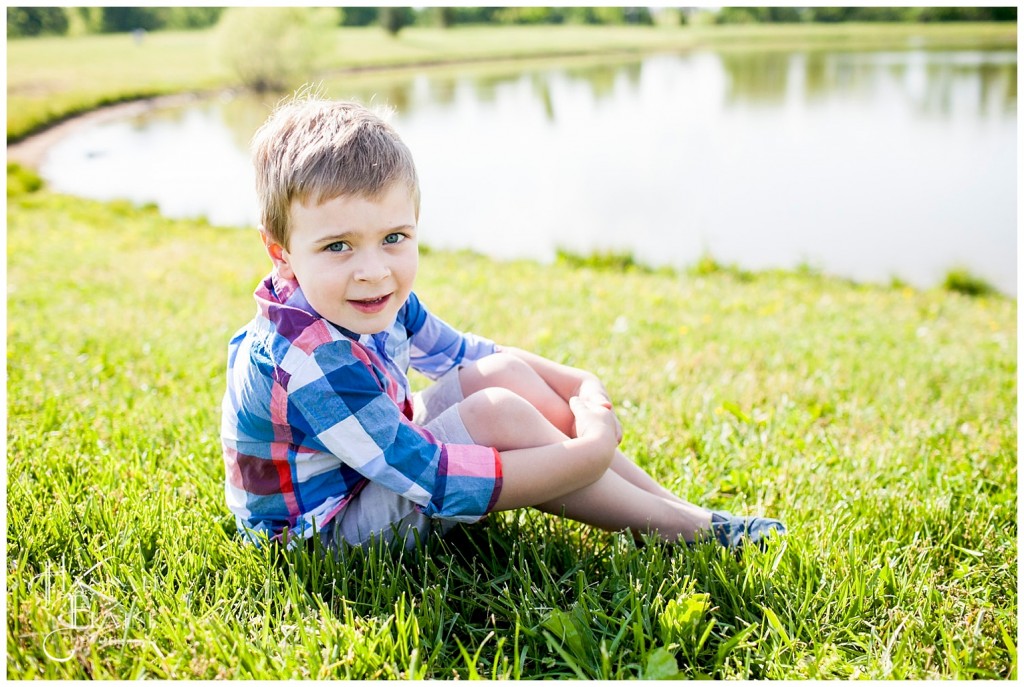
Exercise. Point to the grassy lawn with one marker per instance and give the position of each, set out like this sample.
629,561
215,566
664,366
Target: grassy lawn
878,423
52,78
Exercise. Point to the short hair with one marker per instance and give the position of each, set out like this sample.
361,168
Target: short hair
313,150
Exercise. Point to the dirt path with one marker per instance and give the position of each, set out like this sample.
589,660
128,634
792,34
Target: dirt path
30,152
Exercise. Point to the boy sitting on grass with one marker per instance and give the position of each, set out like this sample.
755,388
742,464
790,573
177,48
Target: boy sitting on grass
321,433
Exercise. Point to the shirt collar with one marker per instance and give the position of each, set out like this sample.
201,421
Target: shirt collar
285,292
278,290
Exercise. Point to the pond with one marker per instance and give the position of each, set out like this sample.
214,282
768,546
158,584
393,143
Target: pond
868,165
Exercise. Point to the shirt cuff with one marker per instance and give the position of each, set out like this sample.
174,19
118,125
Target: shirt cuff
468,483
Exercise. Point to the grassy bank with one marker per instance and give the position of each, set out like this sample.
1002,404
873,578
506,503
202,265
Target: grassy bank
879,424
52,78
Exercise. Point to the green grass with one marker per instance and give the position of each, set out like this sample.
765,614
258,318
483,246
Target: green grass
52,78
878,423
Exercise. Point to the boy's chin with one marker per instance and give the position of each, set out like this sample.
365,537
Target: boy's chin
374,325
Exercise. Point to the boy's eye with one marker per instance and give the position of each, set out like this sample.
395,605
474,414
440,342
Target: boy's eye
336,247
394,238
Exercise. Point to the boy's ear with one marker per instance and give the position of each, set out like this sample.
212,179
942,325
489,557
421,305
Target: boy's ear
278,254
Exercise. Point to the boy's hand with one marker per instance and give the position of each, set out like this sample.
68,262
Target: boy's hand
593,391
594,419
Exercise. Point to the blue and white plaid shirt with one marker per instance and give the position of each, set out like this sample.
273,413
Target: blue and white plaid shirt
313,411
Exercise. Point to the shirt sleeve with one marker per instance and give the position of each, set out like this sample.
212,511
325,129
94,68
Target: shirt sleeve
436,346
338,403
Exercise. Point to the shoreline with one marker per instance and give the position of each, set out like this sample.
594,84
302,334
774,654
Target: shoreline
31,150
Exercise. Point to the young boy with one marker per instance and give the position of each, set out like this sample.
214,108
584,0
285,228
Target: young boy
321,433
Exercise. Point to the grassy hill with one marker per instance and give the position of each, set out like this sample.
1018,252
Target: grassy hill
878,423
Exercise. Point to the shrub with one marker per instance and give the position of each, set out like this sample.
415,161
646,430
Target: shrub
962,281
274,48
21,180
615,261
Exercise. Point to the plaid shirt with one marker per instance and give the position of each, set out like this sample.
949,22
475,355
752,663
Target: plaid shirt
313,411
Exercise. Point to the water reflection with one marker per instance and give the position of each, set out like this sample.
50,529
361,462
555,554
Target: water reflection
758,77
864,164
936,85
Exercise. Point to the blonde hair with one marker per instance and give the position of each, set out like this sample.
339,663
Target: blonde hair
313,150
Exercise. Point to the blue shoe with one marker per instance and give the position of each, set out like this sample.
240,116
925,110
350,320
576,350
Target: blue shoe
733,532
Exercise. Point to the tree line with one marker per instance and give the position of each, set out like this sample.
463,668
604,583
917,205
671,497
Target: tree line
763,15
36,21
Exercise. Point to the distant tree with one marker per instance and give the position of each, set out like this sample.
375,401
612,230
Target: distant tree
394,19
594,15
670,16
580,15
124,19
832,14
82,20
528,15
274,48
1004,14
191,17
474,15
912,14
637,15
741,15
785,15
360,16
554,15
888,14
36,21
968,14
437,16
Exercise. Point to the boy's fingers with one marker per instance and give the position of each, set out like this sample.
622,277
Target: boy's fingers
599,399
578,404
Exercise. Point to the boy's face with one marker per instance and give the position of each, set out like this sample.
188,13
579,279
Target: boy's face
355,258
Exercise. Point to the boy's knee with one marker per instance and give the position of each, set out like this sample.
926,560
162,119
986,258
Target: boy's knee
497,370
508,364
493,404
501,418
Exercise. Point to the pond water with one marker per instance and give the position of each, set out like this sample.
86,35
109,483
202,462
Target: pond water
868,165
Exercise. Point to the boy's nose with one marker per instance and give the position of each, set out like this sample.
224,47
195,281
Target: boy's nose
372,269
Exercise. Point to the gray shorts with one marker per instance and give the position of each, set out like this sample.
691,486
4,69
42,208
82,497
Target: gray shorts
376,512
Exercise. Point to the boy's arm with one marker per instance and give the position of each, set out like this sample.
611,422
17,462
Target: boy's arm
436,346
533,476
337,403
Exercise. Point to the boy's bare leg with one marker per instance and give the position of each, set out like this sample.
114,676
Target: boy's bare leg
507,422
612,503
508,372
505,371
638,477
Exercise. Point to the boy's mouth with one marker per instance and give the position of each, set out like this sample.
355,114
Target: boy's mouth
370,306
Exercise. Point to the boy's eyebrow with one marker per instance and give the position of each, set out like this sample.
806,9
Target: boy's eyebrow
333,238
347,235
